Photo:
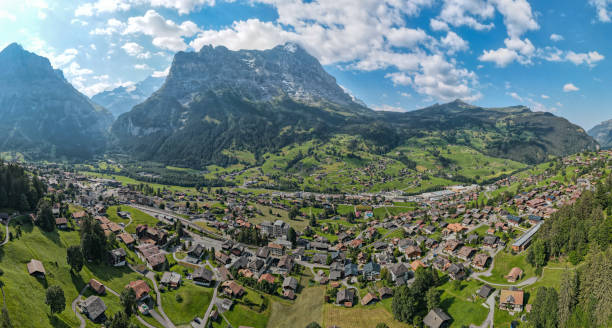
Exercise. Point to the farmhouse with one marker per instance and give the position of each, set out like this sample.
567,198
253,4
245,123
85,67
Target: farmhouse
36,268
94,308
511,300
436,318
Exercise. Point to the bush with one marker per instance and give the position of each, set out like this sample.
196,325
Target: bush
179,298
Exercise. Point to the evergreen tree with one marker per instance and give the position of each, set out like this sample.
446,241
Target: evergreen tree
55,299
93,240
45,219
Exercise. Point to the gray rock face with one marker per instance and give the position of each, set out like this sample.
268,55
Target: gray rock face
41,114
258,76
602,133
121,100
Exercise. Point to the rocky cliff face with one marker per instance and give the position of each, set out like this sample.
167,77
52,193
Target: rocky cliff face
41,114
603,134
121,100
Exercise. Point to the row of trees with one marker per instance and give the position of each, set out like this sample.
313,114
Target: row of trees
411,303
583,299
18,189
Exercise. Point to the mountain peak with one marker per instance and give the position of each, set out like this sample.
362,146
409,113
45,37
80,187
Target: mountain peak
12,48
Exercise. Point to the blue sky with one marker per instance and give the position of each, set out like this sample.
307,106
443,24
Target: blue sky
393,54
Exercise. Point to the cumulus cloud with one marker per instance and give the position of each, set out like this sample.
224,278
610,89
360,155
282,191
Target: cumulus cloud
556,37
64,58
589,58
142,67
111,6
135,50
438,25
501,57
7,15
515,96
469,13
545,97
166,34
518,16
112,26
602,8
570,87
369,36
163,73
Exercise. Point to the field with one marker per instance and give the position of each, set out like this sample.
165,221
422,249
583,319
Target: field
504,262
242,315
195,301
299,224
358,317
138,217
308,307
25,295
460,306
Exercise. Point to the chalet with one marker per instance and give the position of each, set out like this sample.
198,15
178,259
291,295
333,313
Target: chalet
290,283
232,289
514,275
224,274
345,297
413,252
465,252
319,258
156,260
151,235
93,307
451,246
369,298
61,223
399,270
441,263
222,257
127,239
415,265
285,264
481,261
197,251
456,271
490,241
484,291
141,289
437,318
78,216
511,299
371,270
385,292
117,257
202,276
4,217
350,269
36,268
171,279
97,287
534,219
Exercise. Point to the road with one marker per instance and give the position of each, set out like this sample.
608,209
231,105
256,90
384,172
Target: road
163,215
6,235
74,309
488,323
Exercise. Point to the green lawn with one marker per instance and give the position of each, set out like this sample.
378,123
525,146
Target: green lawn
195,301
25,295
504,261
242,315
138,217
460,306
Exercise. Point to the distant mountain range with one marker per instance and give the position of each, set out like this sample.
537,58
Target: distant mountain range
603,134
122,99
44,116
223,107
216,101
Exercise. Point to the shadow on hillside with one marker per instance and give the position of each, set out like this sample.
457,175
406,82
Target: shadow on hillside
77,281
446,303
107,272
57,322
53,236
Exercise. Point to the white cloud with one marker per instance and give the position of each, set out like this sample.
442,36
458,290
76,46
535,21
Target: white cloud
75,70
545,96
405,37
438,25
589,58
135,50
399,78
518,17
468,13
64,58
454,42
112,26
166,33
364,36
501,57
142,67
388,108
515,96
182,6
163,73
570,87
556,37
603,12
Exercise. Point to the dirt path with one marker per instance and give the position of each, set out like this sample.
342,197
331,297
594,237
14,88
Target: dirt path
6,235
